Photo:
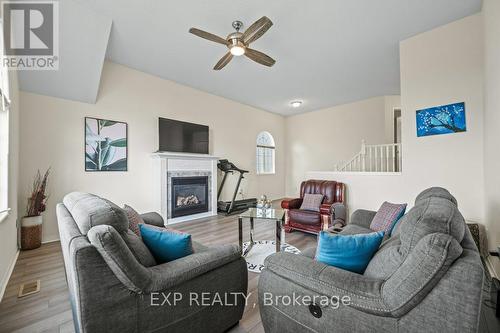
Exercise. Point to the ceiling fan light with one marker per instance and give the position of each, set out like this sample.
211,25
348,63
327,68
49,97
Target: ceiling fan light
296,104
237,50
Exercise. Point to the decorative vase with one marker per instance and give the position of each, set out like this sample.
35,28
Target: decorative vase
31,232
262,203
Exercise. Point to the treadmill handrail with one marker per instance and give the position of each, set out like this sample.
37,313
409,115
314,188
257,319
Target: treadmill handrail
226,166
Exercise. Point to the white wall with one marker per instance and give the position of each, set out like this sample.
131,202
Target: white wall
491,15
52,134
321,139
438,67
8,228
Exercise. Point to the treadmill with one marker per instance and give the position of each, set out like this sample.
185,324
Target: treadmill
234,206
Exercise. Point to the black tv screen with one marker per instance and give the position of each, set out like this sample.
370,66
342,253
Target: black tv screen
183,137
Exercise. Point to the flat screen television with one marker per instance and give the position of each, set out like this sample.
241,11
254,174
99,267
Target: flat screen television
182,137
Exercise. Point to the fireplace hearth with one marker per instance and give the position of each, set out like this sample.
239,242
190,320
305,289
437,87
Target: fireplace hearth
189,196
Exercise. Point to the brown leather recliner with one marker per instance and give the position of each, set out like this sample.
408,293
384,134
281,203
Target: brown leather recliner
314,222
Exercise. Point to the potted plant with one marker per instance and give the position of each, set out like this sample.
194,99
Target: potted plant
31,223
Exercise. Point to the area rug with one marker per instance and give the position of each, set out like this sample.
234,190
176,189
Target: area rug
261,250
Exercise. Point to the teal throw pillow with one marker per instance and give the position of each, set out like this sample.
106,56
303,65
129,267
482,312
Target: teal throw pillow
349,252
166,244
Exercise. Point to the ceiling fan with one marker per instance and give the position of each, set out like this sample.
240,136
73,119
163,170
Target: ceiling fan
238,42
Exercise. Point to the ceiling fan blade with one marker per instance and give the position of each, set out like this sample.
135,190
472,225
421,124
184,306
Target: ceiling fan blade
209,36
223,61
259,57
256,30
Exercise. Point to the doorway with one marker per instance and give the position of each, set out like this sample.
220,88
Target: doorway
397,137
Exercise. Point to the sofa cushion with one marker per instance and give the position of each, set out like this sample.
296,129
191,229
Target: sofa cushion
138,249
304,216
349,252
430,215
311,202
396,229
89,210
387,216
387,259
353,229
436,192
120,260
165,244
134,219
435,211
420,272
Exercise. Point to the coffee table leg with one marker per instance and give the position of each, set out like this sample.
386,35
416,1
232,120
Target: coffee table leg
250,244
240,233
251,230
278,235
282,232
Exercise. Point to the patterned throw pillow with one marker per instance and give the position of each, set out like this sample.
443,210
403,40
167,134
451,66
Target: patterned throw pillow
387,217
312,202
134,219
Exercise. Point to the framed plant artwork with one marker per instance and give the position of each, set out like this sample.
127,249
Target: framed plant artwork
106,145
443,119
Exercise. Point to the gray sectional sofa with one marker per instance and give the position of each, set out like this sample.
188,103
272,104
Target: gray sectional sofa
116,285
427,277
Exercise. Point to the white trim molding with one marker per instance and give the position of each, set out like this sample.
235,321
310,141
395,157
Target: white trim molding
8,274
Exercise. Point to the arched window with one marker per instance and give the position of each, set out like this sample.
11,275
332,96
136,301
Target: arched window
265,153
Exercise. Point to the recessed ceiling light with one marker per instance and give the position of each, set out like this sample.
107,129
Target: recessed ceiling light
296,104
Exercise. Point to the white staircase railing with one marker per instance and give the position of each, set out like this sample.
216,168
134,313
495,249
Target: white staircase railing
375,158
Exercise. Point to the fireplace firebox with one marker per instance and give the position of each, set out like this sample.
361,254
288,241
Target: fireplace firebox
189,195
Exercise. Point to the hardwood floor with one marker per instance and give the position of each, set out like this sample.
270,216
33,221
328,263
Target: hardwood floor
50,311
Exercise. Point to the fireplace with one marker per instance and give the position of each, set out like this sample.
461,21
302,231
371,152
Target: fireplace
189,195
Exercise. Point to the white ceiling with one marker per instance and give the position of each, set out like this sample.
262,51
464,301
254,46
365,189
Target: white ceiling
83,39
327,52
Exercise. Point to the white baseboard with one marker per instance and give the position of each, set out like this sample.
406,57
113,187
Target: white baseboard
51,241
6,278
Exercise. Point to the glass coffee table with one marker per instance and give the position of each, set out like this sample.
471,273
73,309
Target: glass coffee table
271,215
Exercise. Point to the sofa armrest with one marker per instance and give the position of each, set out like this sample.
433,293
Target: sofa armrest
137,278
339,214
337,210
153,218
363,217
364,292
291,203
110,244
175,272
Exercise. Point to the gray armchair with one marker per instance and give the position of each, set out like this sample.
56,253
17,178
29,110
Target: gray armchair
427,277
116,285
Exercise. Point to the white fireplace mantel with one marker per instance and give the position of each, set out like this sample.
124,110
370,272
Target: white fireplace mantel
168,163
184,156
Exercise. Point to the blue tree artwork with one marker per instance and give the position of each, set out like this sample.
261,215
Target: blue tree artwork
443,119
